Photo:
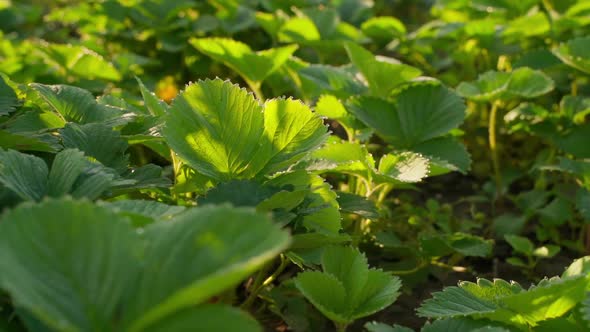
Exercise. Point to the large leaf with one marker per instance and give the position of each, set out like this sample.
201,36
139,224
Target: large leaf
130,281
198,254
207,317
419,113
222,132
80,261
252,66
381,76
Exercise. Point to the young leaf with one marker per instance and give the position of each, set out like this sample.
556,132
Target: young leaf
252,66
347,289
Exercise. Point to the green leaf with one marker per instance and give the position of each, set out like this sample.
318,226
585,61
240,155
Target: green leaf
347,289
154,105
67,244
8,99
28,142
343,157
492,291
527,26
298,30
462,325
528,83
213,248
24,174
238,193
98,141
575,53
325,292
67,166
329,79
381,327
585,308
350,268
551,300
355,204
580,266
523,82
583,203
330,107
470,245
381,76
77,105
80,61
403,167
383,29
380,291
573,141
320,210
243,139
420,112
252,66
520,244
208,317
142,209
547,251
453,302
444,154
488,86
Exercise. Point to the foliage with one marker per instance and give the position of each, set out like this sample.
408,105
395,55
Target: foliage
238,165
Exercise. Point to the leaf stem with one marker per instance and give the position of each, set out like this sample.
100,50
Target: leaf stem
256,87
256,286
494,147
340,327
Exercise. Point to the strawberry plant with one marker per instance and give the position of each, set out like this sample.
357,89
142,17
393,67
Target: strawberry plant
301,165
